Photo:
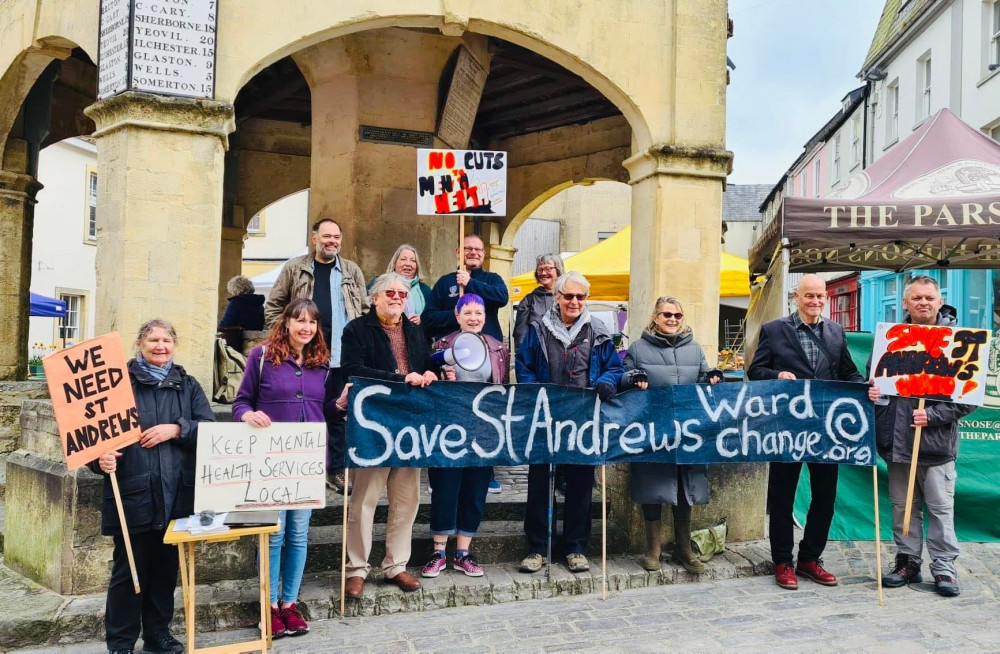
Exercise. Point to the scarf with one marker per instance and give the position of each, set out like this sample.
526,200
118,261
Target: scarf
552,321
416,301
154,371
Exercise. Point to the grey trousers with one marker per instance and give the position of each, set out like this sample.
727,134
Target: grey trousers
935,488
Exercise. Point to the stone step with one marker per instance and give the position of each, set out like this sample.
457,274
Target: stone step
34,617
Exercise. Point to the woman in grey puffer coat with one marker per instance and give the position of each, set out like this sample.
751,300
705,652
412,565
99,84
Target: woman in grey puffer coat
667,354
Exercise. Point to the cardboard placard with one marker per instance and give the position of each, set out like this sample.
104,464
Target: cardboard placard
92,399
461,182
245,468
933,362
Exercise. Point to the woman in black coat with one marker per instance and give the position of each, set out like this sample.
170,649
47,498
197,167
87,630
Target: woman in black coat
156,480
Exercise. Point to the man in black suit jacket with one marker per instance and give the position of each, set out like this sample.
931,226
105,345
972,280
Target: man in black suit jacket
803,346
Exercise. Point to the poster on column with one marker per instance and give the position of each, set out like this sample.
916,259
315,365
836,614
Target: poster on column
92,399
243,468
461,182
934,362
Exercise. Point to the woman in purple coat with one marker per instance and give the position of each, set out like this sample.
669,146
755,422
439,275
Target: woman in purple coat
285,381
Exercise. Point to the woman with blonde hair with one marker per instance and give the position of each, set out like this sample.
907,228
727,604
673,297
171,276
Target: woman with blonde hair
667,354
406,262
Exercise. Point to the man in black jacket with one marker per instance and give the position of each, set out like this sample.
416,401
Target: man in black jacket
803,346
895,424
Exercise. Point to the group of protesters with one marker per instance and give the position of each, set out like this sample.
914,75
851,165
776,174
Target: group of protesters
325,326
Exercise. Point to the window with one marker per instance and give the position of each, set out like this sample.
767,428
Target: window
835,160
816,170
805,184
994,33
790,183
69,324
892,112
856,136
256,225
924,80
604,235
91,216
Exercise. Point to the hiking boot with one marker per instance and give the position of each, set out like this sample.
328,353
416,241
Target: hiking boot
682,547
162,643
577,562
907,571
277,626
468,565
532,563
946,586
784,576
651,561
434,565
814,570
294,624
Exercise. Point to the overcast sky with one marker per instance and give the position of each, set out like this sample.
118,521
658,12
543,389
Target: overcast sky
795,61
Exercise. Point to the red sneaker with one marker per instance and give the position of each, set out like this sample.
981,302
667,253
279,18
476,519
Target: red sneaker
294,624
785,576
277,626
814,570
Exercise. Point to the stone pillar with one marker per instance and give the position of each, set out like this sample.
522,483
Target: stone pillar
383,78
500,259
17,218
230,259
676,234
159,220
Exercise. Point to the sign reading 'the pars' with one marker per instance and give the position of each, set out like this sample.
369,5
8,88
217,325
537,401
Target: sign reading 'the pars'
935,362
459,182
92,399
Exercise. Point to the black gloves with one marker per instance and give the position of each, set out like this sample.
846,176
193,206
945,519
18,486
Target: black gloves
605,391
633,377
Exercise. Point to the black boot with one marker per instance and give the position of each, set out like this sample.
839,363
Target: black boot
906,571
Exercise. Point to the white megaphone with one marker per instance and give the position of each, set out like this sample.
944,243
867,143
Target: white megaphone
468,352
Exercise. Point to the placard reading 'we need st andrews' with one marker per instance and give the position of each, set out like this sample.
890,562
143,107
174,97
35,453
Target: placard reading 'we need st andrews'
245,468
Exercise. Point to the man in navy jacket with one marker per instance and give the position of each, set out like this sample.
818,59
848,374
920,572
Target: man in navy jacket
438,319
803,346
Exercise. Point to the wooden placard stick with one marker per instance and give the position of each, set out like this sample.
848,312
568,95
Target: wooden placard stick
604,533
343,543
125,536
461,250
878,539
913,474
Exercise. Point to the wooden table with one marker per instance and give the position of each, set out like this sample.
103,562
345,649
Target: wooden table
186,541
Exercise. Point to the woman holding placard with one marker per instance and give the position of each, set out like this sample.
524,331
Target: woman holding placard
459,495
667,354
285,381
156,480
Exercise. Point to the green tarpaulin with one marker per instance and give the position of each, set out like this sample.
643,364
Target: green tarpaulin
977,491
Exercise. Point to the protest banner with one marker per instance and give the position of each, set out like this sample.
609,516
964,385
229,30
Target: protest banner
94,409
460,424
935,362
461,182
244,468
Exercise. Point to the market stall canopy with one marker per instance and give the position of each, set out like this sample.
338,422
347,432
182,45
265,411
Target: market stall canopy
932,201
606,267
264,282
45,307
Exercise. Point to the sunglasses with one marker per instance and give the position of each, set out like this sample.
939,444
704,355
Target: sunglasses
579,297
667,315
392,293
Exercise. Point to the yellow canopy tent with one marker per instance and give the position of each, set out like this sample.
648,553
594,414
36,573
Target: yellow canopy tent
606,266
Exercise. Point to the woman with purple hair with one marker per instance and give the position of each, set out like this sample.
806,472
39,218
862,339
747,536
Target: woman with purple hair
459,495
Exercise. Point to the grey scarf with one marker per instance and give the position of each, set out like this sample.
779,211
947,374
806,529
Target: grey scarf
552,321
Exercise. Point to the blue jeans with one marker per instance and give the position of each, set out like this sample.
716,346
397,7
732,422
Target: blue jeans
292,540
458,500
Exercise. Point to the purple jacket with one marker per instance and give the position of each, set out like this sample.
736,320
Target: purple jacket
499,356
286,393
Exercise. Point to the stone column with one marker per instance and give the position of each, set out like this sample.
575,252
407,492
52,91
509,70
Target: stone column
230,259
500,259
676,244
159,220
17,218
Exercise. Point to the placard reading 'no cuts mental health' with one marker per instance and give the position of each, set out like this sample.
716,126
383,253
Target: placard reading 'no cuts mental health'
245,468
935,362
461,182
92,399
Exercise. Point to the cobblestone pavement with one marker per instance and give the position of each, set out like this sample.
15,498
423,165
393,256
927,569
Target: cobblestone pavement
748,615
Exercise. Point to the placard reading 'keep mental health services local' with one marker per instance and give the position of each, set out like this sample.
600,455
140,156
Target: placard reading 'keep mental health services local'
158,46
245,468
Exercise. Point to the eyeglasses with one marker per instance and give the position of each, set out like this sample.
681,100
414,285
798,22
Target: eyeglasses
545,269
667,315
472,249
392,293
579,297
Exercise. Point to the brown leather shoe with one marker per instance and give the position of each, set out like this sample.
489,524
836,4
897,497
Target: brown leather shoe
406,582
353,587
